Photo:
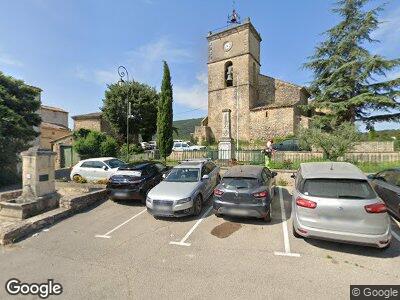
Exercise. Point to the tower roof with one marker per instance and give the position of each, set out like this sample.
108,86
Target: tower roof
218,33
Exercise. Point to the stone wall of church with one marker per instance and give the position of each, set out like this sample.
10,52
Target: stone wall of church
277,92
270,123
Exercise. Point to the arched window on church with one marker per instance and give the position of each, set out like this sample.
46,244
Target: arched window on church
228,74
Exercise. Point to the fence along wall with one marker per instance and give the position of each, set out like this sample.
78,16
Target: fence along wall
256,157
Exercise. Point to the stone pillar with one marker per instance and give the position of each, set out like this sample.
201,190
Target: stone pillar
38,167
226,149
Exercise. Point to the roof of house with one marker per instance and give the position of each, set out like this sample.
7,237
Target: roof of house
54,126
337,170
244,171
94,115
53,108
62,138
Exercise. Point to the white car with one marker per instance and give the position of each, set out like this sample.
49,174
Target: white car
95,169
183,146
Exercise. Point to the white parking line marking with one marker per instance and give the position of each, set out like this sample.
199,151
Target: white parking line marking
396,236
182,241
285,230
107,235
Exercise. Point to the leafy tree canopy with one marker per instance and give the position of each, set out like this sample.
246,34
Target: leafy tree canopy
143,99
349,82
19,104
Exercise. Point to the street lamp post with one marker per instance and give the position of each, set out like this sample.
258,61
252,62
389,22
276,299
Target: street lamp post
122,72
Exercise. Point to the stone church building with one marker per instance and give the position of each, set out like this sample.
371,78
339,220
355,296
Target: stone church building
267,107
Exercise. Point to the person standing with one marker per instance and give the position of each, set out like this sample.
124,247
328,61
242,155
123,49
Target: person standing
268,152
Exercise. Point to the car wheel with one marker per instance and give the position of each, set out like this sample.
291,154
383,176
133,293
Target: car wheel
197,206
295,234
77,178
268,218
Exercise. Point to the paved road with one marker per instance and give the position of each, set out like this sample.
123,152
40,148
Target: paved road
242,259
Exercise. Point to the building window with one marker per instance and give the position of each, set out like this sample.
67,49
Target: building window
228,74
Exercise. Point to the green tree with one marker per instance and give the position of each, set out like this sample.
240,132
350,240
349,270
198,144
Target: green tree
143,99
165,116
95,144
349,82
335,143
19,104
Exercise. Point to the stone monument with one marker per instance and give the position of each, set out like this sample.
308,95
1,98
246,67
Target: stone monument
38,186
226,149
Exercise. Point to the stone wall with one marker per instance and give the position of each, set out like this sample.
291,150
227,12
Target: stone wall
55,117
269,123
83,201
202,134
92,124
374,146
48,134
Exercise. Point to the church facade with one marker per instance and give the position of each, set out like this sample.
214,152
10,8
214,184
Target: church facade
261,107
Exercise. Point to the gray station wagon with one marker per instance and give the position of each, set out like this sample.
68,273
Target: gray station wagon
335,201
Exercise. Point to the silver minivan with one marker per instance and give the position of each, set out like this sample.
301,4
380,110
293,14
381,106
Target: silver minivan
335,201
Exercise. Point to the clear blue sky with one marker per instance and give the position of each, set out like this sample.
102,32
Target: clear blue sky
71,49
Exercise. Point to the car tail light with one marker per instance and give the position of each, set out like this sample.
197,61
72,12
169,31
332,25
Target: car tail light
306,203
375,208
218,192
262,194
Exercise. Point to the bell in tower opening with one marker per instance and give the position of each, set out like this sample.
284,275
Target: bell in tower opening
229,74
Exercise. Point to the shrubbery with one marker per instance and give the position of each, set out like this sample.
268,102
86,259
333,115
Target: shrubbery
91,144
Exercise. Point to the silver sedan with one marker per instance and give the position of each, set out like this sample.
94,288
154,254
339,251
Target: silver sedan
185,189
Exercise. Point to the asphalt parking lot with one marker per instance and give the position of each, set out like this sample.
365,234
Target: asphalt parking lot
119,251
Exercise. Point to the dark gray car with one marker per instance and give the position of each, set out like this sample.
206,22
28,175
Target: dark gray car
387,186
245,191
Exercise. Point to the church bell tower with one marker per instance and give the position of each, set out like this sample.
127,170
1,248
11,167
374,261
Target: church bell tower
233,72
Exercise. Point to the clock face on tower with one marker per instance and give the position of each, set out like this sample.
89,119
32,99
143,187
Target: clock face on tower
227,46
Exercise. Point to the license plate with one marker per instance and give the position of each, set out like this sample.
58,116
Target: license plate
239,212
119,194
163,208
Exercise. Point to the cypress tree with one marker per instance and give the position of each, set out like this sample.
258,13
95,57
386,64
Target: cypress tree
165,116
350,83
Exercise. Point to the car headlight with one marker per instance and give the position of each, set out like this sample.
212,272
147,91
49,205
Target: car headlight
185,200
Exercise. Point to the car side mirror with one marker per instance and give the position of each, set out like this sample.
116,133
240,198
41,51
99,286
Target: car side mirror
164,176
274,174
105,168
293,176
205,177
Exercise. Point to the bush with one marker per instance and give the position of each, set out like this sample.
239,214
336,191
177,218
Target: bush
109,147
334,143
95,144
133,149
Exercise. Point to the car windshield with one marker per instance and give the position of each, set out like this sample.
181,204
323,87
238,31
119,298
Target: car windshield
183,175
239,183
338,188
114,163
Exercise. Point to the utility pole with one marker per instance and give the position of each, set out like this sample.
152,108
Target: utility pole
237,112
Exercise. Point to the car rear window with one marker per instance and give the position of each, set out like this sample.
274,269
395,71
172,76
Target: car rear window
338,188
239,183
